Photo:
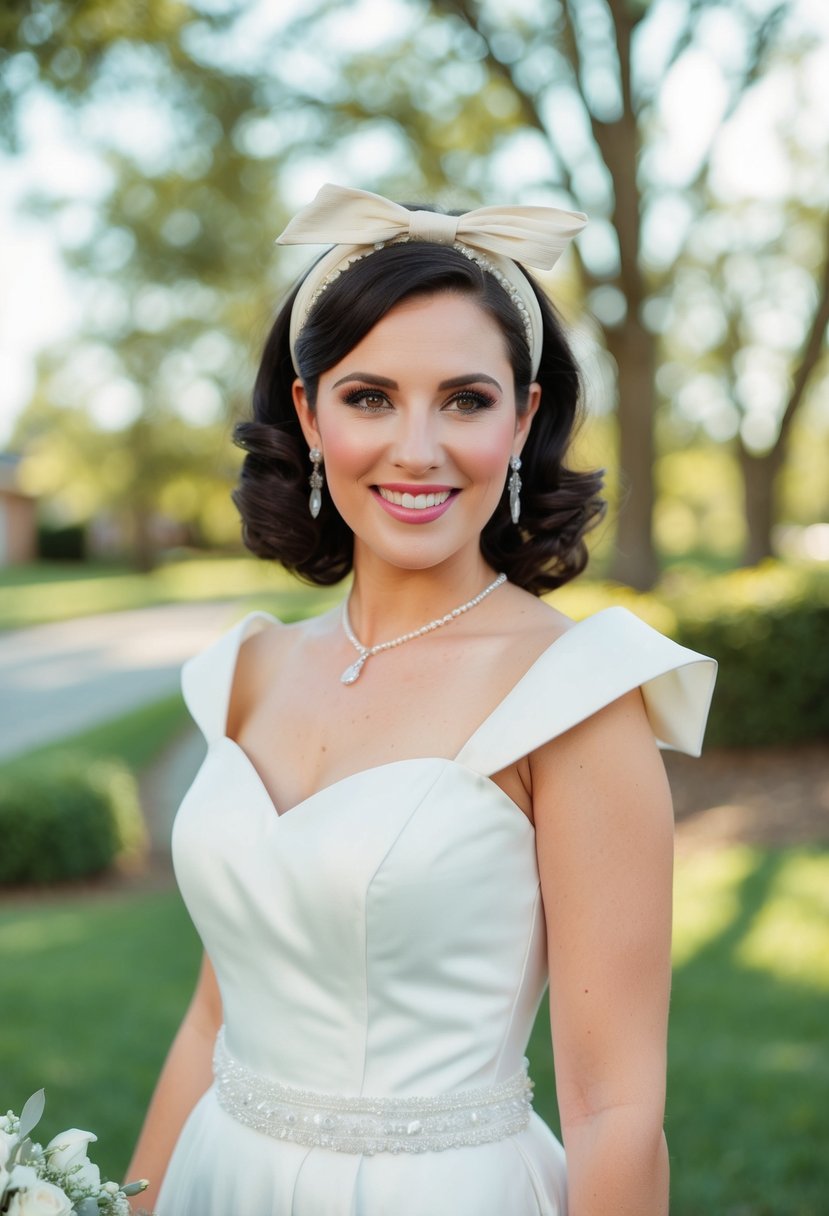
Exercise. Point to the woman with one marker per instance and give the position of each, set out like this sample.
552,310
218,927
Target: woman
417,807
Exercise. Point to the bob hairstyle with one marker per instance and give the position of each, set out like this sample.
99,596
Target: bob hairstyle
558,504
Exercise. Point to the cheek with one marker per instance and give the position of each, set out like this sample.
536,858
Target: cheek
346,452
487,457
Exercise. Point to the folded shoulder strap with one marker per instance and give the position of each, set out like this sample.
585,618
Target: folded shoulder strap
594,663
207,678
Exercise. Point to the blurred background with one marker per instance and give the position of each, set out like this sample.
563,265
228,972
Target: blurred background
149,155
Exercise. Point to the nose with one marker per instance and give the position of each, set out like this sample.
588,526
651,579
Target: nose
417,446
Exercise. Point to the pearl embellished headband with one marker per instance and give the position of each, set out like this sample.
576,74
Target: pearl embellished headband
357,223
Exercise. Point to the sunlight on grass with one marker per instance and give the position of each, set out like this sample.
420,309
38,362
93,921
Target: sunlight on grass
706,897
52,592
35,935
789,937
748,1071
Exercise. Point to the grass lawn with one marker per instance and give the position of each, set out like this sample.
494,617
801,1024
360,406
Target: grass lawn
56,591
93,990
136,737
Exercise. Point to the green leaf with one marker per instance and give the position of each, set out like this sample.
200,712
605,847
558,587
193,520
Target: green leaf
31,1114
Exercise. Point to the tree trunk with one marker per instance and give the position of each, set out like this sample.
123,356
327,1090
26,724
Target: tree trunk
635,561
759,477
143,548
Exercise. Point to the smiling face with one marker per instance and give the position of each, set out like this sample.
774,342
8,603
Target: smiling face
416,425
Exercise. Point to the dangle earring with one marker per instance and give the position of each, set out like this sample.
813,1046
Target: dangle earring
514,487
315,482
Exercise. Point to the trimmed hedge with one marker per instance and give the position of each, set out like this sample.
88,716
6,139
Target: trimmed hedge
767,627
67,817
773,680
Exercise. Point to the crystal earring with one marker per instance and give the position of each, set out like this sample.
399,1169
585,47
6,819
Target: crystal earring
315,481
514,487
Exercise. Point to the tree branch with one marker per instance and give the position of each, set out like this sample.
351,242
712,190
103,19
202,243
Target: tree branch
469,13
810,353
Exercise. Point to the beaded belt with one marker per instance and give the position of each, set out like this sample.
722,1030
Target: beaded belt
370,1125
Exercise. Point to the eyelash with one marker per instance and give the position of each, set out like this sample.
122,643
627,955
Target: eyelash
358,397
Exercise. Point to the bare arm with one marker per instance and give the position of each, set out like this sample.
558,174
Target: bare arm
186,1075
604,830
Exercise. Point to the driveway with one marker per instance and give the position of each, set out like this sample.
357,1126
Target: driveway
58,679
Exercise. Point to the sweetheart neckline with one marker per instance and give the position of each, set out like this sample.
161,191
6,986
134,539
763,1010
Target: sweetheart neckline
511,807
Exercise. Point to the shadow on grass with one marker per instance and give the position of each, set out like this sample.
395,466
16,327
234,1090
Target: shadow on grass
747,1117
748,1120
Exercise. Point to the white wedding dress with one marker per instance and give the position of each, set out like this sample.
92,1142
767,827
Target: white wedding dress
385,939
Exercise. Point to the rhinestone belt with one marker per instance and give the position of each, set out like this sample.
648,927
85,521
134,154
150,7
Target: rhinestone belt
370,1125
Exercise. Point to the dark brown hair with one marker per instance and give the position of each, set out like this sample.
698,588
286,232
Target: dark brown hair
558,504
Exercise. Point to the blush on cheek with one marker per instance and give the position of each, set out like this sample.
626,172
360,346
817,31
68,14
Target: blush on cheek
490,453
347,455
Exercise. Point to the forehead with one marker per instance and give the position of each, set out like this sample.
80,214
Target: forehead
436,324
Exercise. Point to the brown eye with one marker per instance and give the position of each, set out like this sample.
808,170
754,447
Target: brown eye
369,400
470,402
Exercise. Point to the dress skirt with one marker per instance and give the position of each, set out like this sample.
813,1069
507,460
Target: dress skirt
223,1168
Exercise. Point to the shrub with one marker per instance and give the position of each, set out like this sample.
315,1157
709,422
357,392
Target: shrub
769,631
66,544
65,818
767,627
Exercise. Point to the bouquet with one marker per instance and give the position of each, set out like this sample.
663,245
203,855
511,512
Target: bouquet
58,1180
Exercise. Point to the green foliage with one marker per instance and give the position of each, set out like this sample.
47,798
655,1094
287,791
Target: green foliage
767,627
774,667
66,544
66,818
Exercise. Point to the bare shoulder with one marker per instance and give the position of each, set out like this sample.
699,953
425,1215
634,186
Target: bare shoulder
260,656
606,767
532,618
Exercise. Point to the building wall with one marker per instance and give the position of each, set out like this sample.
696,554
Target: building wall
18,528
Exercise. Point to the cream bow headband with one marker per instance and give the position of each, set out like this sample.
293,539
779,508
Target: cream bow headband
356,222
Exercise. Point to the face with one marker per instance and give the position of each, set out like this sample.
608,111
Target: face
416,426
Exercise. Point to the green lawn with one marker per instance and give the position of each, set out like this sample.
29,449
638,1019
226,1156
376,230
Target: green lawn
136,737
56,591
93,990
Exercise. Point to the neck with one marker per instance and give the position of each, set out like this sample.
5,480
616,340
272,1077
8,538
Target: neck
387,601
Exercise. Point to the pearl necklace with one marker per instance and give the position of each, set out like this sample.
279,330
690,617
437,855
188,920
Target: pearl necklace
352,673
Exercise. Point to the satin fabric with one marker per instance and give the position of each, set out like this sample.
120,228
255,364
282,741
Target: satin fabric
386,936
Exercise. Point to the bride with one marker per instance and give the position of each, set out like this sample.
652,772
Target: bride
419,808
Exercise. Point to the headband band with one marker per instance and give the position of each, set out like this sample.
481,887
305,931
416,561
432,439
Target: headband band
357,222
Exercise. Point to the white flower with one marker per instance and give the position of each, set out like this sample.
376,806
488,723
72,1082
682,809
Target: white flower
41,1199
6,1142
67,1151
4,1182
23,1176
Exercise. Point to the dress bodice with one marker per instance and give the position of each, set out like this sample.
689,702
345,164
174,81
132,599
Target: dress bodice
386,935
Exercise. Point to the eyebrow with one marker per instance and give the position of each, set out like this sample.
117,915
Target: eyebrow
454,382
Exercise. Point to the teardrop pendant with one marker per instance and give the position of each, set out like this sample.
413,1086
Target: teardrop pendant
315,502
352,673
514,486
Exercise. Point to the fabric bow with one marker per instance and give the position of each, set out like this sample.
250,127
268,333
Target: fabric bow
340,215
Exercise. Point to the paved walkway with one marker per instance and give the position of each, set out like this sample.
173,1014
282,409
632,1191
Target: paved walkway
58,679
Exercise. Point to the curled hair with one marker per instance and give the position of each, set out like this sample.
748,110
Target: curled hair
558,504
